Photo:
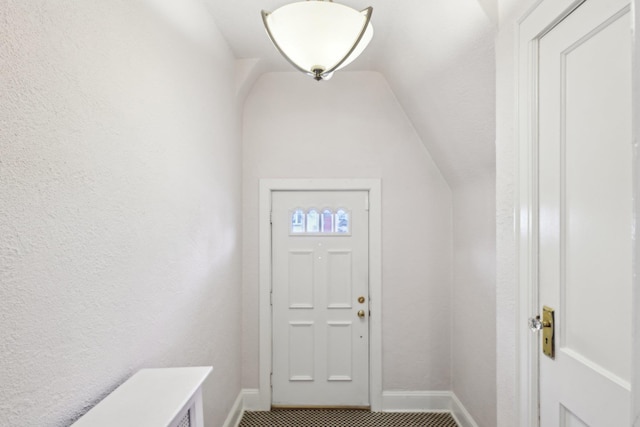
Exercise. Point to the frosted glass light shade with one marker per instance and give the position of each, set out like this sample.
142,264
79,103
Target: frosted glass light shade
319,37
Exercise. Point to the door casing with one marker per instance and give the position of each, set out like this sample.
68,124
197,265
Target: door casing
373,187
535,23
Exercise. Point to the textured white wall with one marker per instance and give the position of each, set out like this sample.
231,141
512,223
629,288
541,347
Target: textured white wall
119,203
490,7
353,127
473,338
444,78
440,63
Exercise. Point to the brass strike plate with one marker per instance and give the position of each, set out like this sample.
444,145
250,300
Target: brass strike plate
548,328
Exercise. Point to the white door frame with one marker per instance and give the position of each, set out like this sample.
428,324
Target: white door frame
635,75
535,23
373,187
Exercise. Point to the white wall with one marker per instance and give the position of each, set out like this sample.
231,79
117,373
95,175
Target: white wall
473,337
119,203
444,79
353,127
439,61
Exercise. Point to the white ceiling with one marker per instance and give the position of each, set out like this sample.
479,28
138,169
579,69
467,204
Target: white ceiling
437,55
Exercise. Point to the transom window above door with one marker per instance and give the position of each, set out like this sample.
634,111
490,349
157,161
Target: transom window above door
314,221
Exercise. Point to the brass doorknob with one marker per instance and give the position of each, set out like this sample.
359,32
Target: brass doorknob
361,300
361,314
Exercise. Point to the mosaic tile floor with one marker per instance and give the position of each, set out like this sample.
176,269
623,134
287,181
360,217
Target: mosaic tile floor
344,418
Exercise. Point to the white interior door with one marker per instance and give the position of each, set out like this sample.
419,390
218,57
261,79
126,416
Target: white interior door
320,298
585,215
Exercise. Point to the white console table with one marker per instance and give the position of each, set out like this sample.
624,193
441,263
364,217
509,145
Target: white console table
169,397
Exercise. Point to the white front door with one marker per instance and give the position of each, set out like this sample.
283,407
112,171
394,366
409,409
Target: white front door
585,215
320,298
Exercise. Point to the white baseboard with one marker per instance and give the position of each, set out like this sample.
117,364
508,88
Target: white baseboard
251,400
392,401
460,413
416,401
427,401
235,414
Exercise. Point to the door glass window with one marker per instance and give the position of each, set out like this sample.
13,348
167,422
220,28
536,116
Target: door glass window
326,222
313,221
342,221
297,221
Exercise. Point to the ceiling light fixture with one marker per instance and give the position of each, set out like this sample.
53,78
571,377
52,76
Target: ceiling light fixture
319,37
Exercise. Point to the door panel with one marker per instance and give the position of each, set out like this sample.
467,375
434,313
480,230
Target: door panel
301,351
339,354
300,274
585,215
320,269
570,420
339,279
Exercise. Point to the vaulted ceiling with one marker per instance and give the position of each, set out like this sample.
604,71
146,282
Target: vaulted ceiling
437,56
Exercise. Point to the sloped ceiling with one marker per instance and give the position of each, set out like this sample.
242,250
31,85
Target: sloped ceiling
437,56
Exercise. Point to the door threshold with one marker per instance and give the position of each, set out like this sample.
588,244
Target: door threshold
336,407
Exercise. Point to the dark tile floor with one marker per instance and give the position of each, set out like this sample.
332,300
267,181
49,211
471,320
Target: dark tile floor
344,418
